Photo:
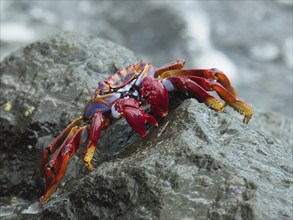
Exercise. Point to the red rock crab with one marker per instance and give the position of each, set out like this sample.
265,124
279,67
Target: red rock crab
122,94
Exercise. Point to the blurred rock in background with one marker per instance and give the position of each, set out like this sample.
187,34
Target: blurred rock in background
250,41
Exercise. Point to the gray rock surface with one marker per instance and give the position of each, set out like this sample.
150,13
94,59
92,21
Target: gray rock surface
197,164
44,86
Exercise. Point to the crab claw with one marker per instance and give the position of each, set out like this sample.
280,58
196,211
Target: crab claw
156,95
134,115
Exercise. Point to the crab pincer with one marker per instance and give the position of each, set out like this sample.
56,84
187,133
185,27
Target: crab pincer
134,115
156,95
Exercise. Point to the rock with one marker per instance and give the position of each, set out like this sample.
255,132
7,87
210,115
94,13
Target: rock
197,164
43,87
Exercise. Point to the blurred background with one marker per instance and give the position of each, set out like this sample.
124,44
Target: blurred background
251,41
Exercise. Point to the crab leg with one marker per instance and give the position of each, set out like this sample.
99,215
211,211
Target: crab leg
54,162
183,84
224,94
212,74
238,105
235,103
51,148
98,123
199,86
175,65
61,160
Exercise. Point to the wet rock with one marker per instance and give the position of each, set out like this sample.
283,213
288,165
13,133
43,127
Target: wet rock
44,86
197,164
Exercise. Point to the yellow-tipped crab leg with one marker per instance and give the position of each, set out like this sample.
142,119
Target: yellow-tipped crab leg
230,99
51,148
235,103
98,123
54,162
199,86
184,84
212,74
65,153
